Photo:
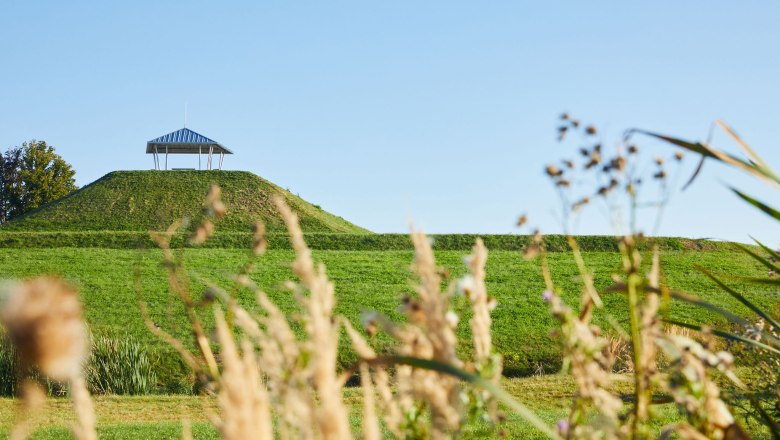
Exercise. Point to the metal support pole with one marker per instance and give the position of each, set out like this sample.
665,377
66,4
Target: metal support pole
166,158
199,147
156,158
211,152
221,159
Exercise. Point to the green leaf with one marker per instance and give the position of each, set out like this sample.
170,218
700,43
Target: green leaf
762,206
757,310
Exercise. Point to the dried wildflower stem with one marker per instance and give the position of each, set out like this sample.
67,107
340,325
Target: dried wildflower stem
371,429
178,283
188,358
587,276
640,344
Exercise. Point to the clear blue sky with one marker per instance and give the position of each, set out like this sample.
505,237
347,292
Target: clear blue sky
443,112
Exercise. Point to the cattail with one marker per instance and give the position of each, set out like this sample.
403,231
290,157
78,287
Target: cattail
679,156
522,220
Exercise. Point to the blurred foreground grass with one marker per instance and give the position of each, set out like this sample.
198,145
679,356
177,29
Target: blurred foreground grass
160,417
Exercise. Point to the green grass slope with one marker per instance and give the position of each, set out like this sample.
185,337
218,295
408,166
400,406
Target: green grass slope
373,281
152,200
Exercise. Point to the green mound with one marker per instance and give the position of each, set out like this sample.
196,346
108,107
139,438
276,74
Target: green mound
152,200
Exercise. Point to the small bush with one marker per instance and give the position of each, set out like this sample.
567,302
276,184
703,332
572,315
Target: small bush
8,367
119,366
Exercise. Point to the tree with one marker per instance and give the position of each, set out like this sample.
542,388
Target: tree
10,182
32,175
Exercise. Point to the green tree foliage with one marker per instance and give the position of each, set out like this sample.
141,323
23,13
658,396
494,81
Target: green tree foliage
32,175
10,182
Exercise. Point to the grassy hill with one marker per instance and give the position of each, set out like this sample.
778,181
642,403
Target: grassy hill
152,200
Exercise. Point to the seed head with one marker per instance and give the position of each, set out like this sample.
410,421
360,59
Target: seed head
45,322
553,171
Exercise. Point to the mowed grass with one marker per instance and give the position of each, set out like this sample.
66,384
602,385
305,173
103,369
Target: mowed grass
367,281
160,417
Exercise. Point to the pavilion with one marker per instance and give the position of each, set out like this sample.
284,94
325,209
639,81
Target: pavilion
186,141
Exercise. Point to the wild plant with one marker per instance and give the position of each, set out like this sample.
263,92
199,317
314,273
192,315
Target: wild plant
755,339
589,353
44,321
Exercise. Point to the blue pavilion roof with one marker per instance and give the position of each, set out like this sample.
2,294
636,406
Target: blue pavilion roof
185,141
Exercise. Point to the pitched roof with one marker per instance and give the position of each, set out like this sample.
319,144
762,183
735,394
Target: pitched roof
184,141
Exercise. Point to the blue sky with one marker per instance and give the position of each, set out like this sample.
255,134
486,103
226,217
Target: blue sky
442,112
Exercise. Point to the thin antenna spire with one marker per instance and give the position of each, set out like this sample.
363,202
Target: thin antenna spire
185,114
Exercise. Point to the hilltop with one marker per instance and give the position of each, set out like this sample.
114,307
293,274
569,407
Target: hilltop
152,200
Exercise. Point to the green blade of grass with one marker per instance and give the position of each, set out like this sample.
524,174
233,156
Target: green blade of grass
739,297
757,257
756,169
724,334
762,206
766,248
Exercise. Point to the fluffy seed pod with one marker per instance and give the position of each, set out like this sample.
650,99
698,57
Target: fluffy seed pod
45,322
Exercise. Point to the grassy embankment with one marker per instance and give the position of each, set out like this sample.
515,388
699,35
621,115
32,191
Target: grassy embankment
366,281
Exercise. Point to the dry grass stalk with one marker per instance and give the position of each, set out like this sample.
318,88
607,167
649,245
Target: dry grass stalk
322,331
371,430
431,335
243,399
487,363
33,401
186,430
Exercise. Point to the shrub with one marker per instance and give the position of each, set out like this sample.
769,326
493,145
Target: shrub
119,366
